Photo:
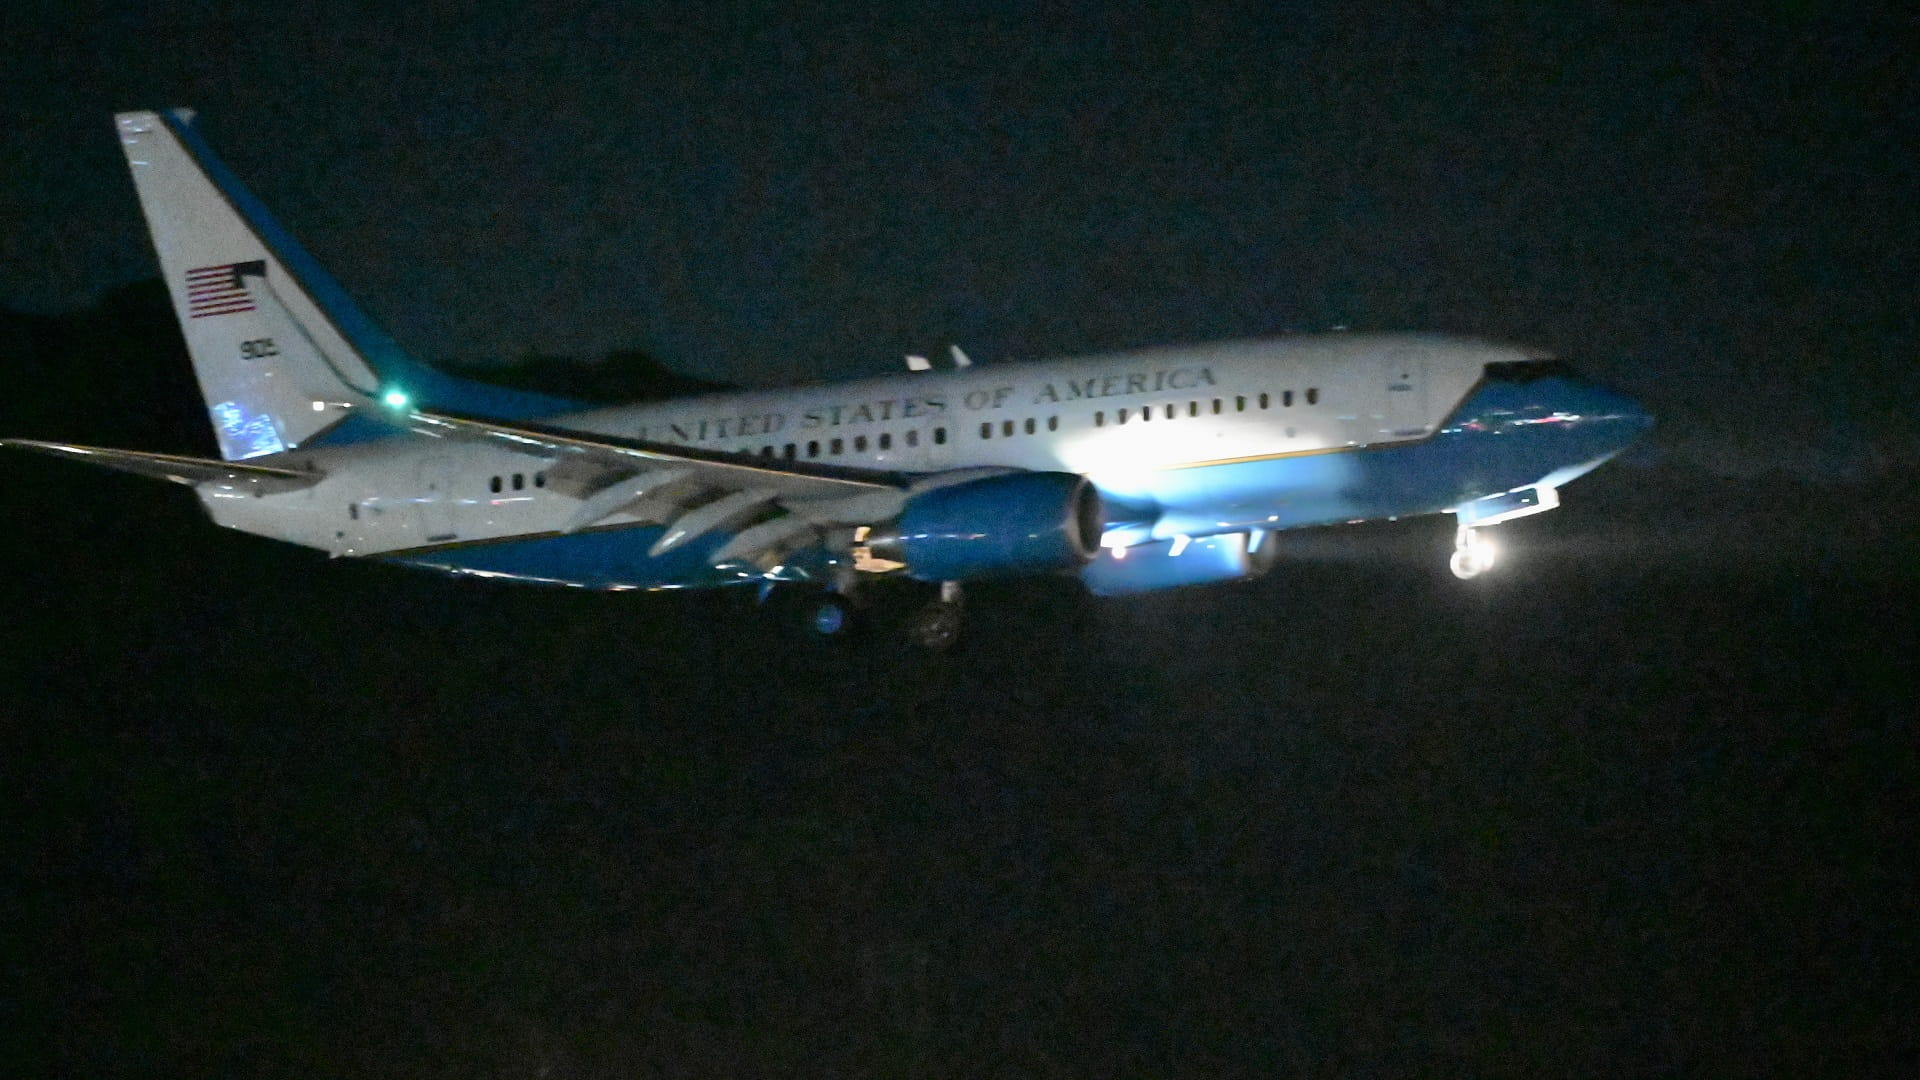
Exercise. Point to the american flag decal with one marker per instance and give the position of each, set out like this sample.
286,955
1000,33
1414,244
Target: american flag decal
221,290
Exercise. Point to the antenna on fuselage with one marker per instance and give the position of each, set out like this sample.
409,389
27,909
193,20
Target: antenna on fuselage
961,361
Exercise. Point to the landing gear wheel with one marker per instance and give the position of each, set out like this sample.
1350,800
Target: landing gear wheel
1463,565
823,615
935,625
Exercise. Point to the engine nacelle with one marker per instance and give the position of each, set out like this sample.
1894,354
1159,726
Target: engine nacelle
1020,523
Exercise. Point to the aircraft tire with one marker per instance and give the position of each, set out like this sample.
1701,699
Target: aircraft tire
1464,565
812,613
826,615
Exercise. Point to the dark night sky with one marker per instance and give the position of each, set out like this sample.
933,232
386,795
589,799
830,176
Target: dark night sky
1642,802
1712,209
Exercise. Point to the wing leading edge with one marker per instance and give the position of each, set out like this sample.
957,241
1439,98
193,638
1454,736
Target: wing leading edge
191,471
789,478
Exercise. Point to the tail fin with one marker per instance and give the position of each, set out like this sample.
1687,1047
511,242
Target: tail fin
281,352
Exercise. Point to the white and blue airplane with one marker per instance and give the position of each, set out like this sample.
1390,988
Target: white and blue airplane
1134,471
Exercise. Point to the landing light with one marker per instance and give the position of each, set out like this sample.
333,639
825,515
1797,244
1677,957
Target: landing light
396,399
1485,551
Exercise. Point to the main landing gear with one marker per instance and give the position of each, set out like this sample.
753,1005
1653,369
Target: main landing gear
813,612
1473,553
825,614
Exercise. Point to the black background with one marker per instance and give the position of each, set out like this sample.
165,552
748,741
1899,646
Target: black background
1641,801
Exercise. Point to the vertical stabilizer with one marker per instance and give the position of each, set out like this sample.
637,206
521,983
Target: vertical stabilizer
281,352
275,371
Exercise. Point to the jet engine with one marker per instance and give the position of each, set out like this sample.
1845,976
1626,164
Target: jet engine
1019,523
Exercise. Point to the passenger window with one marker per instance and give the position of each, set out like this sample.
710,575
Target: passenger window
940,436
1172,411
519,481
1053,423
813,447
1029,425
1193,408
540,478
1120,417
986,430
859,444
1006,428
353,511
913,436
886,440
838,445
1286,398
1146,412
1099,418
1263,401
494,485
1239,404
1313,395
790,451
1216,406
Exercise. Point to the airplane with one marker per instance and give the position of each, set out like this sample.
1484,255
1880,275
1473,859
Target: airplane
1132,471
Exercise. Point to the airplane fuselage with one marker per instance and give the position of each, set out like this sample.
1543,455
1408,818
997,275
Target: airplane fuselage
1188,441
1136,471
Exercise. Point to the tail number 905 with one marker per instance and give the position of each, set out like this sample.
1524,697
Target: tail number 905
257,348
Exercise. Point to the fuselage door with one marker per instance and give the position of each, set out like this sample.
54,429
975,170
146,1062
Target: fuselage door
1404,375
439,520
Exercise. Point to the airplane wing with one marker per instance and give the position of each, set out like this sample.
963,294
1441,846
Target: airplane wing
790,478
776,504
191,471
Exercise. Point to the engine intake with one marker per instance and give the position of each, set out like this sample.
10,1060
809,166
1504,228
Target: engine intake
1020,523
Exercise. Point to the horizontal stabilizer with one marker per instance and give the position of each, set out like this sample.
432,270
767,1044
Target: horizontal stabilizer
191,471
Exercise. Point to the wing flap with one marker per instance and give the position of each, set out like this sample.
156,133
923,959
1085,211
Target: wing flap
764,544
724,512
621,493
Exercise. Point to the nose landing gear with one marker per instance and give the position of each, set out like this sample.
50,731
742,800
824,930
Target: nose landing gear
1473,553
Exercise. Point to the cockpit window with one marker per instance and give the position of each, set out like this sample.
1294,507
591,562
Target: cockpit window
1525,371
